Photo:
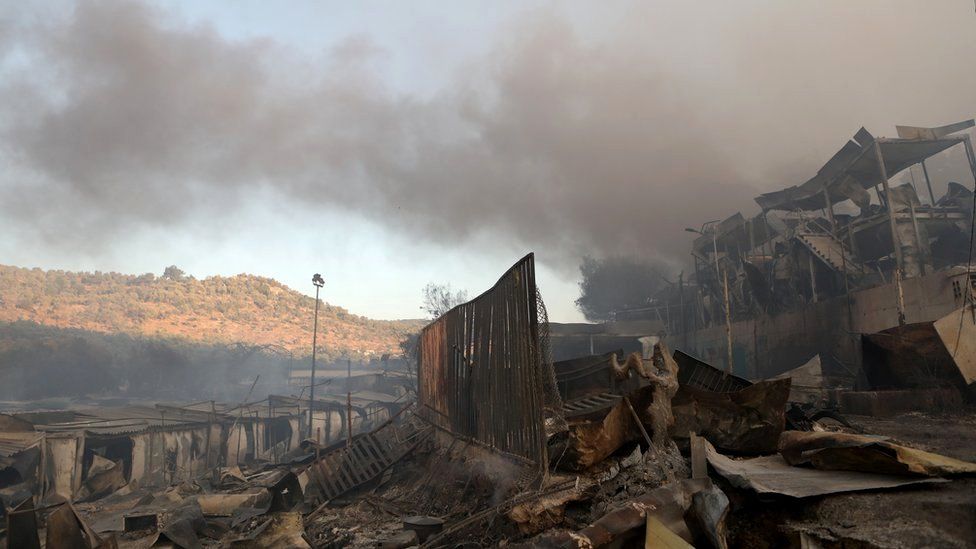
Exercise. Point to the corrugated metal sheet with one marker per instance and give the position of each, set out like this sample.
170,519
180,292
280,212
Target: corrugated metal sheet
855,162
14,443
697,373
481,368
321,375
116,420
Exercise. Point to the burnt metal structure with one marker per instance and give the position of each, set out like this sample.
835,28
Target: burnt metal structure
830,259
347,465
482,371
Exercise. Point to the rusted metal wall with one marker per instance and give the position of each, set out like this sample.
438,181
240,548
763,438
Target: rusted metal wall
480,368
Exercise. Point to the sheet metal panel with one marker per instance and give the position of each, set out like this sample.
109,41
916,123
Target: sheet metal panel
855,160
697,373
345,467
481,368
957,330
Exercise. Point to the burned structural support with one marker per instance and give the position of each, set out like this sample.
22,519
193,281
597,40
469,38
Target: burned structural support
481,369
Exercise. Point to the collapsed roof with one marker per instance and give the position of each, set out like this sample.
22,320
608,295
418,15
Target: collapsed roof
853,168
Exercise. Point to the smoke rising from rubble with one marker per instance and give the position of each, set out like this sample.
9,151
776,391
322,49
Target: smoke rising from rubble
121,116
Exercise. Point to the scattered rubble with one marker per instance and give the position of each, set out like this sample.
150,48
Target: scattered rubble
657,448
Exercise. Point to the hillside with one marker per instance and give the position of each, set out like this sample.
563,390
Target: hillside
243,308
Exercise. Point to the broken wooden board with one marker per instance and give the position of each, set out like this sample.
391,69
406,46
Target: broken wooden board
773,475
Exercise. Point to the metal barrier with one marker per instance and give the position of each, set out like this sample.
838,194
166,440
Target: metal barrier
481,371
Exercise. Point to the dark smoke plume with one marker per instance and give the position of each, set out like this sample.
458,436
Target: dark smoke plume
117,116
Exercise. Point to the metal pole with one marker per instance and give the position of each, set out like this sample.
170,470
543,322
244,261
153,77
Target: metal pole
883,172
901,298
766,238
728,321
928,183
348,402
698,283
971,155
311,389
681,304
813,277
752,238
920,247
830,211
715,251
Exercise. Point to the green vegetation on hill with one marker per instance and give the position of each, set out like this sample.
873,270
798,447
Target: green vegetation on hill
243,308
38,362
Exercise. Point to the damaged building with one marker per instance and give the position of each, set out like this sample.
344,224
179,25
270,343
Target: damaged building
84,454
846,268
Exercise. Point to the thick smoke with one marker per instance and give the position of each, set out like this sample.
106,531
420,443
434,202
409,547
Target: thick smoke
118,116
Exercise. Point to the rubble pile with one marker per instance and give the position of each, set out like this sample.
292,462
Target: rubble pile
500,447
648,466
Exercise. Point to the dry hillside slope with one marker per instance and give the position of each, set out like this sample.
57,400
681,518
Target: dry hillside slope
245,308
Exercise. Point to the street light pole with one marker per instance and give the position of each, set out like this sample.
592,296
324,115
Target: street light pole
318,282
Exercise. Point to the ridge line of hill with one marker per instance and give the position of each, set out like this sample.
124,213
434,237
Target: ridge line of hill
243,308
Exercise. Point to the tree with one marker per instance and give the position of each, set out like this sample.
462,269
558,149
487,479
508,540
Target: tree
408,348
617,283
440,298
173,273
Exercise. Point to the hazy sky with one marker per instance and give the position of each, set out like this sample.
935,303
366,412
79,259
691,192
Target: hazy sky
390,144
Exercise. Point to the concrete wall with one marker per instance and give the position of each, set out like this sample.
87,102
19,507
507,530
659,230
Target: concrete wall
297,433
236,447
329,425
772,344
163,456
62,467
140,458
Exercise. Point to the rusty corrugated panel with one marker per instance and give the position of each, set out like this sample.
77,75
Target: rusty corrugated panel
481,368
347,467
